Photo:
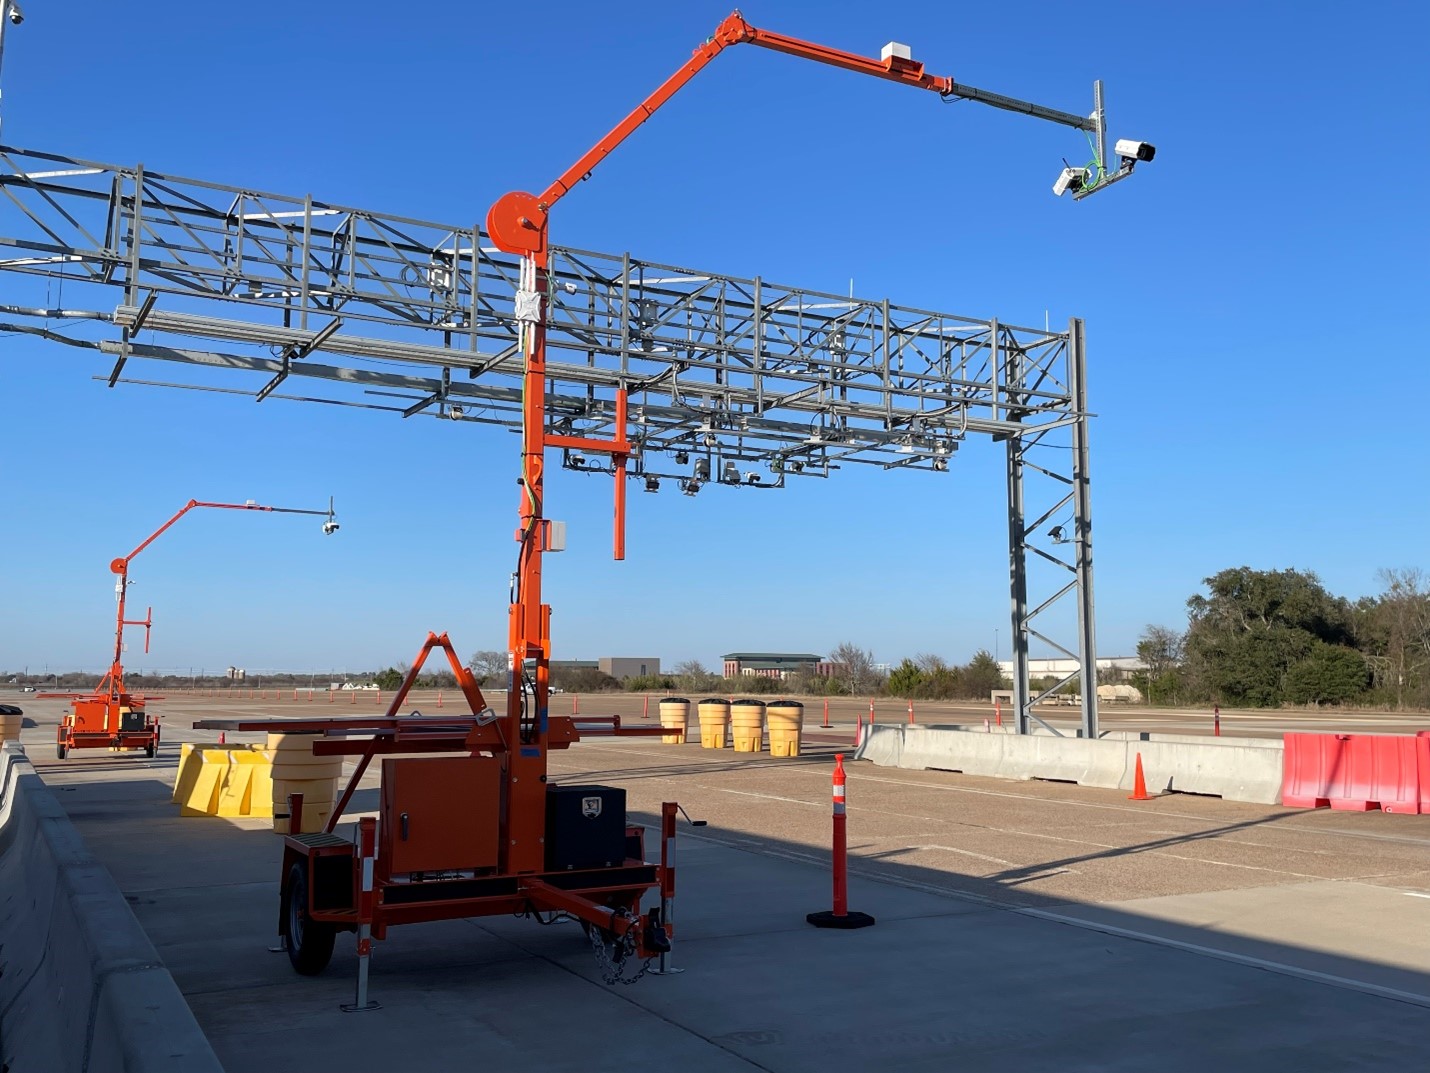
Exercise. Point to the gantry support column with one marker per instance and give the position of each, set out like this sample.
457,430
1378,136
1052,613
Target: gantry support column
1018,584
1082,526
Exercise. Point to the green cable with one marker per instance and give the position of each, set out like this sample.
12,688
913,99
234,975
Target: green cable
1095,169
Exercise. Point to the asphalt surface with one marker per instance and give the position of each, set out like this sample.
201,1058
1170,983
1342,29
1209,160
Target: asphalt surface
1022,925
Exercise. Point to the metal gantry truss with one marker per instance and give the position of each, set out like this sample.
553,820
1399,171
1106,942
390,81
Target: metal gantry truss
729,380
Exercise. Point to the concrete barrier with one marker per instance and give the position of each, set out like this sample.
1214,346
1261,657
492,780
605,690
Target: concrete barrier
1239,769
1235,770
82,988
884,745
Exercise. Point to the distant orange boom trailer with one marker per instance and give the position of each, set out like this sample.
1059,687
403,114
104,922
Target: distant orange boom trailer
111,716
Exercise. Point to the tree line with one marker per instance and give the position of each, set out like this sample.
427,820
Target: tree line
1263,638
923,676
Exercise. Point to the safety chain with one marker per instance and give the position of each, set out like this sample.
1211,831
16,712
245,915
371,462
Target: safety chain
612,969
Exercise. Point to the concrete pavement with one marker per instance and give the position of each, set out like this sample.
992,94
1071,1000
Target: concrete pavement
1021,926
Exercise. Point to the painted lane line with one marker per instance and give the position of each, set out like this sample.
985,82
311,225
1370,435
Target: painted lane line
743,845
1032,834
1414,894
1281,968
970,853
767,797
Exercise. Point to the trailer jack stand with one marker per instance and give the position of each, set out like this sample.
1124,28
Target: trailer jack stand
361,1003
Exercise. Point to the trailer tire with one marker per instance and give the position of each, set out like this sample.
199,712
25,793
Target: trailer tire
152,748
60,750
309,942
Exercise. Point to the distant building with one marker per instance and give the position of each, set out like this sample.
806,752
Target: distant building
775,664
237,674
622,667
1042,668
618,667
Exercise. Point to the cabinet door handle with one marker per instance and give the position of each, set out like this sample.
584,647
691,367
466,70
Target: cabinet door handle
404,827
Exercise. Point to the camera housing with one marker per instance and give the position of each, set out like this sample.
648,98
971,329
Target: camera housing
330,527
1134,152
1071,179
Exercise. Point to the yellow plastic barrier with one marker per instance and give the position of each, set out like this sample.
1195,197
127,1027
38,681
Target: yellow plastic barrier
674,714
785,719
235,792
196,785
223,780
714,716
238,780
260,791
747,725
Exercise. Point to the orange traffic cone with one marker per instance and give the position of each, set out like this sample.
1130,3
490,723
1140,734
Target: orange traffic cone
1139,784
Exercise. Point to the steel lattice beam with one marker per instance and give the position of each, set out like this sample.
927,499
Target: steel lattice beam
321,302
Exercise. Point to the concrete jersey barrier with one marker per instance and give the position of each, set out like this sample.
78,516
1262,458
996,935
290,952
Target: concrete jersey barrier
1235,769
82,988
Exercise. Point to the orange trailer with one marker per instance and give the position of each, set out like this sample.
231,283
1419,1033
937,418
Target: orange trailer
111,716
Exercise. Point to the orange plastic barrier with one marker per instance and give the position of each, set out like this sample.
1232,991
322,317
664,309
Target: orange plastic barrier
1422,759
1357,772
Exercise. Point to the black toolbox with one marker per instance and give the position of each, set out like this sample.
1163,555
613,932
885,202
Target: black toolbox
585,827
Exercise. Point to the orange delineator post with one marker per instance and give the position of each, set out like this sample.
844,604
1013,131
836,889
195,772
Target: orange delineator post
439,698
911,712
841,839
840,917
858,730
825,724
1216,720
645,709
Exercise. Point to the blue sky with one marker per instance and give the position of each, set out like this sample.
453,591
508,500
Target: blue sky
1253,302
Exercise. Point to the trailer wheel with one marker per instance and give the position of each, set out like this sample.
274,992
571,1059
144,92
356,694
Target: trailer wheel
309,942
60,750
152,748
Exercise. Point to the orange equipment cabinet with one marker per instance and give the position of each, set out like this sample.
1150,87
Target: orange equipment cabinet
440,814
92,717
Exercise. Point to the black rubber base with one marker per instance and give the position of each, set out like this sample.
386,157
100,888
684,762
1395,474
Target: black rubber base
827,919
